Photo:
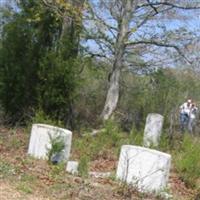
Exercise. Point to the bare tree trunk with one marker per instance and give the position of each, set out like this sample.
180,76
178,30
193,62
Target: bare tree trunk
112,96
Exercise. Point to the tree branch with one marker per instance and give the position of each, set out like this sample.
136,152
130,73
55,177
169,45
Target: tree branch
150,15
160,44
53,7
168,4
154,8
97,18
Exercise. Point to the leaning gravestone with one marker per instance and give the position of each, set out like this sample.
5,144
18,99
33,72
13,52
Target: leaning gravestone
40,141
153,129
146,169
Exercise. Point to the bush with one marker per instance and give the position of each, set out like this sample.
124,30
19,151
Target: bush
37,70
56,88
41,118
187,160
106,143
18,69
57,146
135,137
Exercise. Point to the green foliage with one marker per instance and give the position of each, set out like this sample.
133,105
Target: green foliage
24,42
160,92
24,187
28,178
107,143
135,137
83,166
17,80
57,84
57,171
6,169
90,97
37,66
57,145
42,118
111,132
187,160
165,143
109,138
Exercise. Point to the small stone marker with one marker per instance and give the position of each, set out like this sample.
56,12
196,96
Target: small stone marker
146,169
153,129
72,167
40,142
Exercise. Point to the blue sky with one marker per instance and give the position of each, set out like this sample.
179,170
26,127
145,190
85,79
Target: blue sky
190,23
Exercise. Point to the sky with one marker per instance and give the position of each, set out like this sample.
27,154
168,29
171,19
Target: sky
191,23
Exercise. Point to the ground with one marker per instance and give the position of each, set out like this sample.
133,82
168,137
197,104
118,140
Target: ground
25,178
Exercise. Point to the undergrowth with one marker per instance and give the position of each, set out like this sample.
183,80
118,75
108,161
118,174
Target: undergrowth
187,160
109,140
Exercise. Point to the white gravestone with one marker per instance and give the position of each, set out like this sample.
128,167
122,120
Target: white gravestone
146,169
40,142
72,167
153,129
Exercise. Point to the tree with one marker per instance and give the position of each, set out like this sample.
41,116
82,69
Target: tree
121,28
39,50
64,59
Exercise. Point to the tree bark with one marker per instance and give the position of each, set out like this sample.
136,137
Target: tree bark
112,96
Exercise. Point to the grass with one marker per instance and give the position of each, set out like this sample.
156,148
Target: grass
24,187
187,160
57,172
83,166
36,175
110,139
6,169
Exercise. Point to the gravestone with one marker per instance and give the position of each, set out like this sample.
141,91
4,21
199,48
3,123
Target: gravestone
40,142
146,169
153,129
72,167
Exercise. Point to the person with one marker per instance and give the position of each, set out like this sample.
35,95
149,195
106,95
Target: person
192,118
184,114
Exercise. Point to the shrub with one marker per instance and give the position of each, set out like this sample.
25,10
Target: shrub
56,88
187,160
41,117
57,145
135,137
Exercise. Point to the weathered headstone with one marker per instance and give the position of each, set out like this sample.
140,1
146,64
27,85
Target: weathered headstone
146,169
72,167
153,129
40,141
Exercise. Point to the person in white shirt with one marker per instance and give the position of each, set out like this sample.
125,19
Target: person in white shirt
192,118
185,114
